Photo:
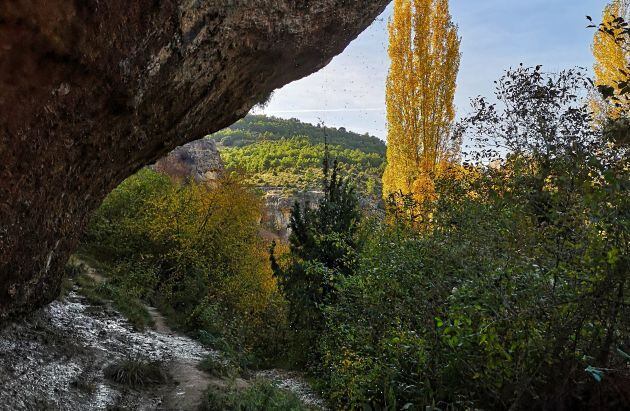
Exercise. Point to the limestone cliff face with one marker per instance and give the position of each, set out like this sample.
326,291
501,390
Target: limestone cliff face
279,203
92,90
278,206
199,160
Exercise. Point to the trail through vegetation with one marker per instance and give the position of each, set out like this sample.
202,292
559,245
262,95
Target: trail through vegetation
58,359
96,360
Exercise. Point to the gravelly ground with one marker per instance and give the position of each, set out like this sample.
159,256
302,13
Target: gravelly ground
54,360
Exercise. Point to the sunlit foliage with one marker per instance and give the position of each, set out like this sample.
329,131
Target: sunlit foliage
612,60
424,52
516,296
195,251
295,164
254,128
275,152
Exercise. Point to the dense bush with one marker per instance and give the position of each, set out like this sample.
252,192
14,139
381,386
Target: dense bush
195,251
261,395
511,289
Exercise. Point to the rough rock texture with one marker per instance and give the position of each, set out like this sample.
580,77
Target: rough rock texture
54,359
92,90
279,203
199,160
278,206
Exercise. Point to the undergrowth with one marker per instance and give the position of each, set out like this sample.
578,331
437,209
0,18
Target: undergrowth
219,367
100,293
261,395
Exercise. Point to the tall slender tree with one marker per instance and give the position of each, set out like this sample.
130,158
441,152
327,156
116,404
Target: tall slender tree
425,57
612,61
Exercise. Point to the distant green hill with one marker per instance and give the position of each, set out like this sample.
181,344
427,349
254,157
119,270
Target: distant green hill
254,128
288,153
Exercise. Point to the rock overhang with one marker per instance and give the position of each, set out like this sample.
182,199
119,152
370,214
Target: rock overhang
91,91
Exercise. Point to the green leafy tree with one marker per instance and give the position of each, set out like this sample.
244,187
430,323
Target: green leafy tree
194,251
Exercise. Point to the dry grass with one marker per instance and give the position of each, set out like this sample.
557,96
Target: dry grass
137,373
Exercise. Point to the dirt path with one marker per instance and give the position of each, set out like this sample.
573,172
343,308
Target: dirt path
191,382
159,322
55,359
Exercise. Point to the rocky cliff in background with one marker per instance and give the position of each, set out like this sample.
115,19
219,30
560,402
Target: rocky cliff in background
199,160
278,206
91,91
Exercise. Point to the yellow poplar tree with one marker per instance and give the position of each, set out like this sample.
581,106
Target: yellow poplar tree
424,53
610,58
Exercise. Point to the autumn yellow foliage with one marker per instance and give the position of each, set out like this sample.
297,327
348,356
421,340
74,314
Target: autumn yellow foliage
196,251
610,60
424,52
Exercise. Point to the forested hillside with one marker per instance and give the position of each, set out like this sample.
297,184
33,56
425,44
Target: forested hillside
254,128
283,153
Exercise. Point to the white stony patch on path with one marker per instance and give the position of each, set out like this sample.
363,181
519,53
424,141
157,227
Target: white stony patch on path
54,360
294,382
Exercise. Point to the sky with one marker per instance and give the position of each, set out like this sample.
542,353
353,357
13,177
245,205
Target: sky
496,35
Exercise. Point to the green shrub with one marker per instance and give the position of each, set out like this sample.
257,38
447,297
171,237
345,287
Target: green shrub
322,249
178,246
139,279
128,304
259,396
220,367
511,287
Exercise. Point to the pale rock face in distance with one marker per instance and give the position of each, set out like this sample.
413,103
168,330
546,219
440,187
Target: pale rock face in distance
199,160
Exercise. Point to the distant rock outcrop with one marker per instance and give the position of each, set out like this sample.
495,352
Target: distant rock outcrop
91,91
279,203
278,206
199,160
